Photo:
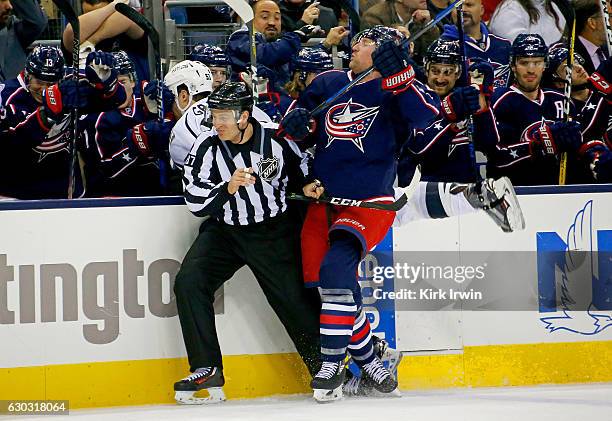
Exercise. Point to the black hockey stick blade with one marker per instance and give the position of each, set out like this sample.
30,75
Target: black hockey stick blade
405,43
395,206
603,5
352,13
141,21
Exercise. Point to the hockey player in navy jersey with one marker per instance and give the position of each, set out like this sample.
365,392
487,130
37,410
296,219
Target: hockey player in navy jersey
304,66
594,117
36,129
115,165
530,120
356,140
480,43
442,149
214,58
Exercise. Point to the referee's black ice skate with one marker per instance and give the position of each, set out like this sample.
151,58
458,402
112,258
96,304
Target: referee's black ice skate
209,378
327,384
498,199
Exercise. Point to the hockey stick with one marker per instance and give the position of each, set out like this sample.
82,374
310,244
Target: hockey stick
153,36
470,124
570,18
603,5
353,15
407,193
367,72
66,8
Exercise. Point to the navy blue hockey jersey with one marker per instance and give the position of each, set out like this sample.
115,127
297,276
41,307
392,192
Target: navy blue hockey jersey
359,134
492,48
518,117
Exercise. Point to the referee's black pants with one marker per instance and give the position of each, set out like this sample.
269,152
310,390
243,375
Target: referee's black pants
271,250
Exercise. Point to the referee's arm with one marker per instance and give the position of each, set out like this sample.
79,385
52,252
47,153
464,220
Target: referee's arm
205,191
297,163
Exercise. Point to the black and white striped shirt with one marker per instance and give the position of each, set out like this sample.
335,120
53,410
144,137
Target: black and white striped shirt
211,163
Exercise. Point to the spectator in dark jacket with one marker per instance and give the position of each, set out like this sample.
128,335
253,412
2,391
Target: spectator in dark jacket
274,50
17,31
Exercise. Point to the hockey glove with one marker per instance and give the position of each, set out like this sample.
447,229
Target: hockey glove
602,167
100,71
482,74
394,64
60,98
552,139
296,125
309,31
150,91
602,78
151,138
461,103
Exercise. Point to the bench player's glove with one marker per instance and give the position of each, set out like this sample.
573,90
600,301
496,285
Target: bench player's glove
552,139
602,168
461,103
62,97
151,138
602,78
482,74
100,71
296,125
150,90
395,65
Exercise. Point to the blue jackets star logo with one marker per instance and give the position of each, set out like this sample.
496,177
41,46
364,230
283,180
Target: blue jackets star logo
349,121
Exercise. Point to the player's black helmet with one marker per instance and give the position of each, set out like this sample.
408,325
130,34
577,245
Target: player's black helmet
379,34
124,65
529,45
210,55
443,51
311,60
231,96
45,63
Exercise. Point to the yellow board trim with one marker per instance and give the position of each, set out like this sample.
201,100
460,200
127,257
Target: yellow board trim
140,382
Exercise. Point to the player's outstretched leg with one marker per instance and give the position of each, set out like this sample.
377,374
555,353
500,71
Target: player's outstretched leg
209,378
497,198
327,383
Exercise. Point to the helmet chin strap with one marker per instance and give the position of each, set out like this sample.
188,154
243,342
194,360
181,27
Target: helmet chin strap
183,109
237,115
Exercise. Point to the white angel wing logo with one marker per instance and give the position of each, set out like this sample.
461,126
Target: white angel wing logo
577,276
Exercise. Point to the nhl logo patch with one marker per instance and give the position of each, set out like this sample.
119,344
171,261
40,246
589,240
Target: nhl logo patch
268,168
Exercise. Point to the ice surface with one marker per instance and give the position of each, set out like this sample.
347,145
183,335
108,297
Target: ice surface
541,403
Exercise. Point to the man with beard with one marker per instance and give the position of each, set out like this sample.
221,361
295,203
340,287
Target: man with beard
17,32
442,149
480,43
274,50
530,120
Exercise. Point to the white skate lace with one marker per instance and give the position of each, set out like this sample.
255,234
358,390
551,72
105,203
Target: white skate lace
200,372
328,370
376,371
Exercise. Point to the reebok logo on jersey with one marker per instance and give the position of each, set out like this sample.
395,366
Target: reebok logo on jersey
268,168
349,121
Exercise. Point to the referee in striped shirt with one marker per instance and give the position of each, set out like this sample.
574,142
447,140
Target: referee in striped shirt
239,177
